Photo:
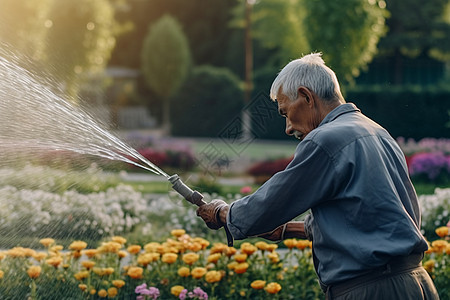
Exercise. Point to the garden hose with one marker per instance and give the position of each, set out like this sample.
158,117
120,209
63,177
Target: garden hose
193,197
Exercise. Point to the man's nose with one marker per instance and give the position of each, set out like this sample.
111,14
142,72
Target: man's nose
289,129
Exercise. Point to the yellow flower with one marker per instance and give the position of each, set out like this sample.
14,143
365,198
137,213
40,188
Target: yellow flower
213,276
93,291
273,288
184,271
81,275
194,247
241,268
135,272
134,249
29,252
202,242
273,256
40,256
1,274
122,254
90,253
230,251
442,231
302,244
109,247
56,248
152,247
2,255
248,248
112,292
34,271
88,264
261,245
213,258
107,271
240,257
178,232
190,258
429,265
271,247
198,272
218,248
439,246
47,242
82,286
447,249
76,254
290,243
176,290
78,245
146,258
169,258
232,265
119,239
118,283
16,252
258,284
54,261
102,293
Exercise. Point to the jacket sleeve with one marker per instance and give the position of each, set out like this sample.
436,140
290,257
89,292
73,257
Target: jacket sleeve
307,181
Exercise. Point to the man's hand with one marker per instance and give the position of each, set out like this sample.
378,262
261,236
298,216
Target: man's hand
214,213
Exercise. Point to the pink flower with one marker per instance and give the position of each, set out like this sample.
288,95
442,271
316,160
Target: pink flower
246,190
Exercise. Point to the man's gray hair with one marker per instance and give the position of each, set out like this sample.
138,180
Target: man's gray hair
309,71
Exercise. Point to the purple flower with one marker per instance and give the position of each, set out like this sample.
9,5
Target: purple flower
183,294
198,292
140,288
429,164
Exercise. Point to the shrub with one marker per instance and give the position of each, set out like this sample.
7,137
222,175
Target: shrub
430,167
435,211
265,169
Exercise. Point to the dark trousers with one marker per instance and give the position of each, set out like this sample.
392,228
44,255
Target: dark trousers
399,280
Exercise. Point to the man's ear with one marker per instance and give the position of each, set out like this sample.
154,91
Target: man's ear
305,93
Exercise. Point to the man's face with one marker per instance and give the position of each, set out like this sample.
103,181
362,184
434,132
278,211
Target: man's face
301,115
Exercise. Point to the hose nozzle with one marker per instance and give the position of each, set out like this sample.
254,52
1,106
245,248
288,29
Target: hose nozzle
192,196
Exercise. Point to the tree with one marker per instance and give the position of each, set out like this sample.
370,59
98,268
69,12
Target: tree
80,38
416,28
347,32
166,60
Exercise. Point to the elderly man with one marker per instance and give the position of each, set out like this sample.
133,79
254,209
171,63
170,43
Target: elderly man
352,176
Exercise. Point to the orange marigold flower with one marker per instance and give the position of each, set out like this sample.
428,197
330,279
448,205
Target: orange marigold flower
273,256
119,239
47,242
39,256
88,264
107,271
198,272
290,243
176,290
152,247
218,248
146,258
54,261
194,247
122,254
169,258
213,258
135,272
442,231
78,245
190,258
82,286
439,246
261,245
93,291
102,293
112,292
118,283
16,252
273,288
2,255
90,253
109,247
134,249
232,265
213,276
429,265
258,284
230,251
302,244
184,271
178,232
202,242
241,268
248,248
34,271
81,275
240,257
272,247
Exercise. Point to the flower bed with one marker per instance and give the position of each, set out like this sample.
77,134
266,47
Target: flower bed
180,267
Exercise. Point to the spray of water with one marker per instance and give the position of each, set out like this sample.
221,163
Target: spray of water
33,116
